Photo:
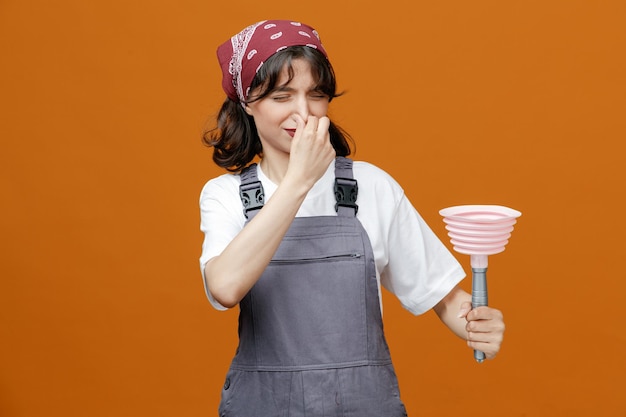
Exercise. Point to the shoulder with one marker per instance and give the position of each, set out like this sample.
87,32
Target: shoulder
221,191
374,179
226,183
371,172
379,197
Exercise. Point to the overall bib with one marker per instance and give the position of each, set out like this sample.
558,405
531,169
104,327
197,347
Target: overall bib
311,337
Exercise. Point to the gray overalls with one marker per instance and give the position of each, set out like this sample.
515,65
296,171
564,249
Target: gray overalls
311,337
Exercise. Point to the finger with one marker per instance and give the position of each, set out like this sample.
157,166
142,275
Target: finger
484,313
300,124
485,326
487,337
484,342
323,125
311,125
490,350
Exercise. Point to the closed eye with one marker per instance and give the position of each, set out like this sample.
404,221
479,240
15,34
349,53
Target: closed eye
281,97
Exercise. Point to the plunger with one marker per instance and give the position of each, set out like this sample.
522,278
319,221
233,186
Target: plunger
479,231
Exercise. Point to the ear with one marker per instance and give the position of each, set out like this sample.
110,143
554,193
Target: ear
248,110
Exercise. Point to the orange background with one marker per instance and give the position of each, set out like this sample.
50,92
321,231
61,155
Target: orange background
520,103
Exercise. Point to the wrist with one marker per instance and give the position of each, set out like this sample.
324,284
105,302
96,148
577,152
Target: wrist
296,189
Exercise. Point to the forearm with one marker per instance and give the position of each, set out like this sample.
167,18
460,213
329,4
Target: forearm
448,310
233,273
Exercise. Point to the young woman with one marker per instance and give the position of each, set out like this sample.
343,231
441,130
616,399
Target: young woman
303,241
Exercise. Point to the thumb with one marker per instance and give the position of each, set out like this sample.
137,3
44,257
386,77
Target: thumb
466,307
300,122
299,128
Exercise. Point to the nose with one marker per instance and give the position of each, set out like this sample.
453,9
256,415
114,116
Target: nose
301,107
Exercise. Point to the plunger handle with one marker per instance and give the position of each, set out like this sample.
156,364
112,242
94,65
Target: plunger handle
479,298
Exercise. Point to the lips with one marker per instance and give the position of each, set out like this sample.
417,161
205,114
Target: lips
291,132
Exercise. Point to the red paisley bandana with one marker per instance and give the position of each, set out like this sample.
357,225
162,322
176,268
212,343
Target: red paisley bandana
243,55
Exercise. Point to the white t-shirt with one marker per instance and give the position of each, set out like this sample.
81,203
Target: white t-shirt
411,262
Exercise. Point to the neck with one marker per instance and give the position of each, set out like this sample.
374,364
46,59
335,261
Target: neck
275,168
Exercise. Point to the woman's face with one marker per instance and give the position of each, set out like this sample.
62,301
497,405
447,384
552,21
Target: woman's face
275,115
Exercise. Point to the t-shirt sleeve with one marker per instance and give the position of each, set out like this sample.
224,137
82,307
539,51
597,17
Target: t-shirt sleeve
421,270
221,219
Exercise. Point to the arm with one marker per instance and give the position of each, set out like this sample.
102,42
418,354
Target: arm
483,327
232,274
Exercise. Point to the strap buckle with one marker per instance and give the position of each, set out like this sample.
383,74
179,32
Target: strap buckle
252,196
346,192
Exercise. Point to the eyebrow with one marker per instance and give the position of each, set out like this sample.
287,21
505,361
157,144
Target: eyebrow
282,88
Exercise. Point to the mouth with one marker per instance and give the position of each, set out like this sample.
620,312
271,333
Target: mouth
291,132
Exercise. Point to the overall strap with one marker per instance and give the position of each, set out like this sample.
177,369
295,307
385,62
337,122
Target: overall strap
251,192
346,188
